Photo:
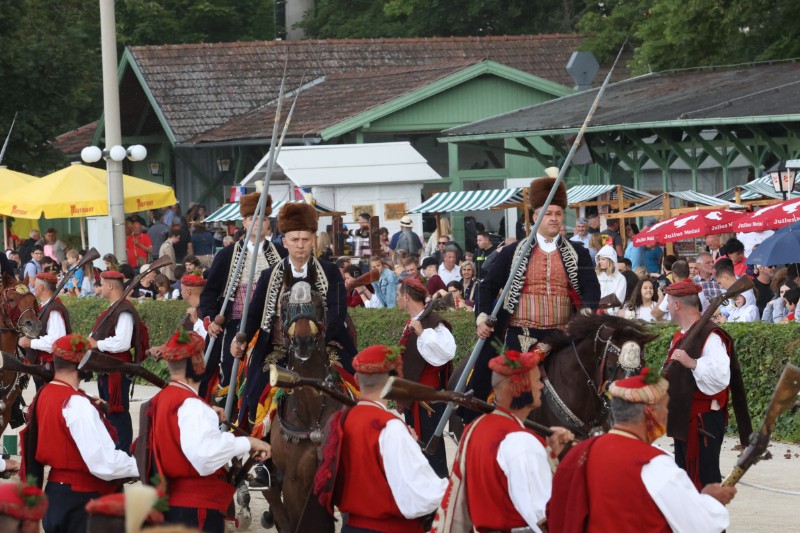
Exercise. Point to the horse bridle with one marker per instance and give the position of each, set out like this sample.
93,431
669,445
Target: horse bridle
7,325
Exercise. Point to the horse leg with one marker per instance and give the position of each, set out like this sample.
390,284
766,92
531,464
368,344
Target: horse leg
277,509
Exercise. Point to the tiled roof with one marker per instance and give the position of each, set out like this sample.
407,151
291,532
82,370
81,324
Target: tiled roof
72,142
202,86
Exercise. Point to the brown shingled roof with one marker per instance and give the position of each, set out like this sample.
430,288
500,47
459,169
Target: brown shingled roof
202,86
72,142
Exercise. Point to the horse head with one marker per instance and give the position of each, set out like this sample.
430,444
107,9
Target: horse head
19,308
303,322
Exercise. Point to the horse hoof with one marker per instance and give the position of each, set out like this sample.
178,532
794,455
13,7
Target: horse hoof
267,520
244,518
243,495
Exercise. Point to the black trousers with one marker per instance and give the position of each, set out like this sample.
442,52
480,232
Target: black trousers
121,421
207,520
428,423
66,511
714,423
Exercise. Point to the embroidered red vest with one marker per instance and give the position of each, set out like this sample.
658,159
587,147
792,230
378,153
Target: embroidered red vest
186,487
618,499
361,486
56,448
490,506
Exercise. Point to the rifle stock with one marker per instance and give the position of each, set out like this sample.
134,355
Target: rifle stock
90,255
782,399
12,364
95,361
282,377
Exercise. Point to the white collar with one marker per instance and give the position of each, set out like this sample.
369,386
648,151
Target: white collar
299,273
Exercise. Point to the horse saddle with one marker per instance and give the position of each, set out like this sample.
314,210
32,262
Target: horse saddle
609,301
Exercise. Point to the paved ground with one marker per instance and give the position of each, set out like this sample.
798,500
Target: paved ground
752,509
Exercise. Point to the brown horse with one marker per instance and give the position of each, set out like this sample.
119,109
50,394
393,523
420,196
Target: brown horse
296,434
18,316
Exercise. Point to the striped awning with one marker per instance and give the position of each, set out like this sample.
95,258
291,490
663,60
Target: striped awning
230,212
656,202
587,193
756,190
448,202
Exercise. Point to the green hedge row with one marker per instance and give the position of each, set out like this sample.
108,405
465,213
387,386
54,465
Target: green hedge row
763,349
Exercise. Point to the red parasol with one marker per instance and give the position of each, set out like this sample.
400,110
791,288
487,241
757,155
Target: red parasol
689,225
771,217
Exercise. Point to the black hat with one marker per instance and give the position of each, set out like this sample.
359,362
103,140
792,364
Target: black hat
428,261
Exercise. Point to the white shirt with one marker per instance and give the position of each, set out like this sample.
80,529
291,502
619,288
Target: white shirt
55,330
713,370
751,239
685,509
523,460
200,328
449,275
613,284
547,247
203,444
94,443
416,488
584,240
121,341
436,345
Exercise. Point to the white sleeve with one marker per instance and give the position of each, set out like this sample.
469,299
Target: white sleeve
713,371
416,488
200,328
55,330
2,465
373,303
437,345
121,341
203,444
94,443
621,288
523,459
684,508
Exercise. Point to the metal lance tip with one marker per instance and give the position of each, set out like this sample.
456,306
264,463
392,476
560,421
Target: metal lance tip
85,360
387,389
280,377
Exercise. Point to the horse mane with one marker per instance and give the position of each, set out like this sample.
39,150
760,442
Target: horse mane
583,326
9,280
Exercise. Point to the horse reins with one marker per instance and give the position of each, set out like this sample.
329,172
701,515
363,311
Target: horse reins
15,328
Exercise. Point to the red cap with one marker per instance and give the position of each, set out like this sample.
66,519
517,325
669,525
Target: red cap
414,283
185,345
23,502
71,347
647,387
191,280
114,505
49,277
112,274
683,288
378,359
517,366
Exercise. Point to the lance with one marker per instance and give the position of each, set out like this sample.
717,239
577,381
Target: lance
5,144
240,336
528,245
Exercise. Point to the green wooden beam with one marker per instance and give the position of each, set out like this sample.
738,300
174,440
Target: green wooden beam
740,146
534,152
708,147
650,152
676,148
776,148
620,151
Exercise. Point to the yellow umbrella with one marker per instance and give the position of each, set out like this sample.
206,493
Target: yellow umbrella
10,180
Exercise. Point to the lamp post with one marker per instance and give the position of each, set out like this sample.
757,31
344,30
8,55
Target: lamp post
783,174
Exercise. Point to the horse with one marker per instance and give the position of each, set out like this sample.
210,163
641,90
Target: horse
19,313
594,351
296,434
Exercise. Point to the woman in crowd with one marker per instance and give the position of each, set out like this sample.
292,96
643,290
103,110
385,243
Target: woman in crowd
146,288
386,252
611,280
775,311
433,241
634,253
595,243
386,286
324,247
163,289
642,303
469,281
111,262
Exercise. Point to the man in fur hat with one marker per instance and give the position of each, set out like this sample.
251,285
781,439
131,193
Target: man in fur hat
556,280
298,224
501,477
68,434
220,277
621,482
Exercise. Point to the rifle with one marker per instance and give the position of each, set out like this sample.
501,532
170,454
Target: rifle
90,255
782,399
95,361
403,390
155,265
364,279
282,377
12,364
527,247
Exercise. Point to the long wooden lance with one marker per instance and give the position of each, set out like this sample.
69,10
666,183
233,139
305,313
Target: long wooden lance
241,337
5,144
528,245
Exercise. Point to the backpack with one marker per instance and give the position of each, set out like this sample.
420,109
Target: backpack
409,242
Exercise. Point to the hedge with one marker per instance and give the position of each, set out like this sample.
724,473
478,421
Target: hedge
763,349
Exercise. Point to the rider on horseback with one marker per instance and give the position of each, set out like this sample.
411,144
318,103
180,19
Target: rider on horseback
555,281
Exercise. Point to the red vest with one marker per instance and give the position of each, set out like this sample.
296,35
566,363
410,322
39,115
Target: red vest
56,447
490,506
618,499
186,487
361,486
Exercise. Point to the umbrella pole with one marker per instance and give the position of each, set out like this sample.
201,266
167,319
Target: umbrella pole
83,232
5,233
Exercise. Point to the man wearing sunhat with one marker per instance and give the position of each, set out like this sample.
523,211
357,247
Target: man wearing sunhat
68,434
621,482
373,469
124,336
501,477
406,239
54,321
21,507
552,283
188,450
699,381
221,277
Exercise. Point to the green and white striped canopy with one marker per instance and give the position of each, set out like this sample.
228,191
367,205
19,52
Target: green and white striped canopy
230,212
587,193
447,202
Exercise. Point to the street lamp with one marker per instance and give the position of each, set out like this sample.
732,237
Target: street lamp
93,154
783,174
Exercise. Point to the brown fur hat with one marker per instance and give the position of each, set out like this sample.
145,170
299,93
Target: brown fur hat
296,216
248,203
540,188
